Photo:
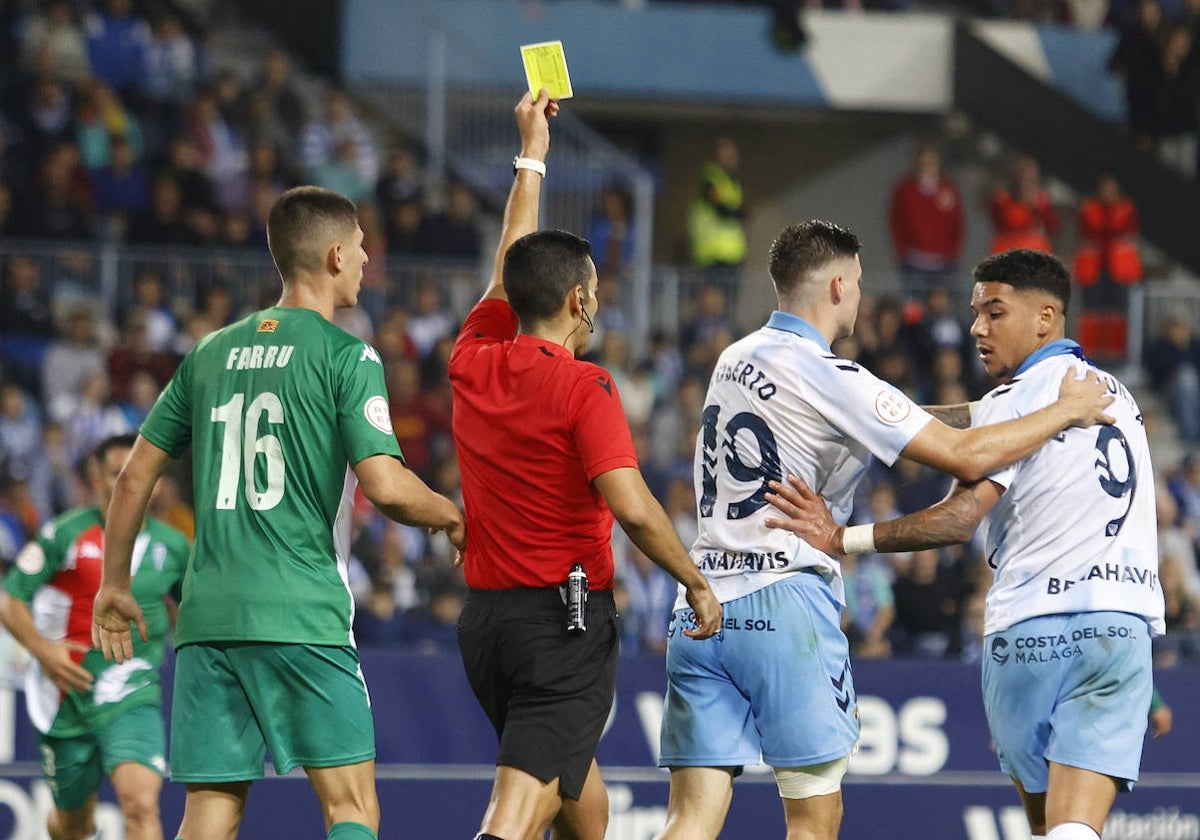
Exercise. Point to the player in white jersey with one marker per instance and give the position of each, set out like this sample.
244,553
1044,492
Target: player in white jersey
1071,534
776,682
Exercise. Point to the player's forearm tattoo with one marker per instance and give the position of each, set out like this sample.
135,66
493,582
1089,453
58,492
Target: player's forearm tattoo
947,523
955,416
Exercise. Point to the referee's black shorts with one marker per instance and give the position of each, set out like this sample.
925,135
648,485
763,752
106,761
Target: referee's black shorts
547,692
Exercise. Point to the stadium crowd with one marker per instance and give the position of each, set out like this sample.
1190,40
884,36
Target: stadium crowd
114,127
1158,58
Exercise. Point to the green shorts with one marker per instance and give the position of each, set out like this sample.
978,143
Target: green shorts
233,701
74,767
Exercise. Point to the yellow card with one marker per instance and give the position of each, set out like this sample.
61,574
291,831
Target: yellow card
546,67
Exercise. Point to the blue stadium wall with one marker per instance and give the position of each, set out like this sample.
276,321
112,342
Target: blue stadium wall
712,53
924,766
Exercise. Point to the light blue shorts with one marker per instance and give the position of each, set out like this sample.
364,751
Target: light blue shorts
1073,689
775,683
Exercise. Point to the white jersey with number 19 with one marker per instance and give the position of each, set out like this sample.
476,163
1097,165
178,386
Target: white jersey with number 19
781,402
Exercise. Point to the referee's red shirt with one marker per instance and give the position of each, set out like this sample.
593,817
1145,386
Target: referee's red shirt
533,426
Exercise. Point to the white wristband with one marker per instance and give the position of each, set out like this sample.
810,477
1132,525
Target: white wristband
529,163
859,539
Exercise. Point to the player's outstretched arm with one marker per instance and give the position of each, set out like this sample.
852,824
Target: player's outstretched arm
115,607
643,519
54,657
521,210
401,495
971,454
952,520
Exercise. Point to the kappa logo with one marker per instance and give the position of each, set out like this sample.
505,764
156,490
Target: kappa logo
369,354
998,655
605,383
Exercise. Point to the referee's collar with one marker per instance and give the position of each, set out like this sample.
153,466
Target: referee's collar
547,347
795,324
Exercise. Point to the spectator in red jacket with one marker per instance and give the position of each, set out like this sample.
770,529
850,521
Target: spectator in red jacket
1108,228
1106,265
926,219
1022,215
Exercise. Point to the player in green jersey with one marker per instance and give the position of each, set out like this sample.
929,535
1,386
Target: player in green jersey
94,718
285,413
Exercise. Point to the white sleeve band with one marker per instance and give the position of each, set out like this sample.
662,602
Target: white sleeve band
859,539
972,407
529,163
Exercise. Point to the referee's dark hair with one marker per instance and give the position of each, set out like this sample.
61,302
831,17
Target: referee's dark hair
1024,269
541,268
805,247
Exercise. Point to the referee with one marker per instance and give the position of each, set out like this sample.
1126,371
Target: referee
547,462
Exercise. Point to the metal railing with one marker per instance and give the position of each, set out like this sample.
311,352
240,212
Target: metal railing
104,274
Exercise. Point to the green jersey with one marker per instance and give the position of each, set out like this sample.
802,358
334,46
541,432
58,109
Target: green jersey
58,575
277,407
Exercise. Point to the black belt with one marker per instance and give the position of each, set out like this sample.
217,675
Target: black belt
531,596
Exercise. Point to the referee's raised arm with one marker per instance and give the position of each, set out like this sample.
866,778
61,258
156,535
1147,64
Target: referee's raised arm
521,210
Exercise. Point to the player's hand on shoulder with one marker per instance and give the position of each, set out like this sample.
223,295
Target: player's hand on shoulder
708,610
807,515
114,610
1086,398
